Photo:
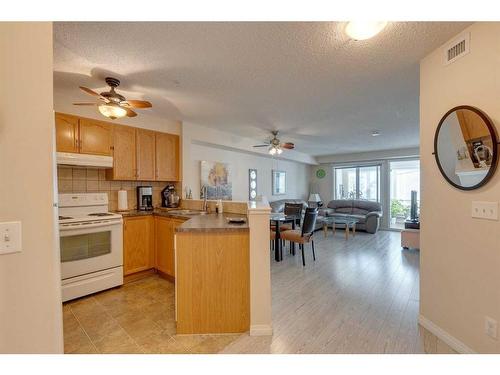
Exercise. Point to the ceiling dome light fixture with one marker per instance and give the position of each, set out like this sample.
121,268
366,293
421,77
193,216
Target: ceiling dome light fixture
112,111
362,30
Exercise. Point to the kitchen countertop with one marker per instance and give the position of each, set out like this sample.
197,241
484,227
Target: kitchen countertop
195,223
212,223
156,211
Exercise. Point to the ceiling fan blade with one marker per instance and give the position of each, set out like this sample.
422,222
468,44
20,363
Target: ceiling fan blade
84,104
288,145
261,146
93,93
130,113
137,103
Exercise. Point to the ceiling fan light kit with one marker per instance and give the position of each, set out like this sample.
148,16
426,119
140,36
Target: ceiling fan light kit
114,105
275,146
112,111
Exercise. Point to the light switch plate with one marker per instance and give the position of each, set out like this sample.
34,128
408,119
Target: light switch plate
485,210
10,237
490,327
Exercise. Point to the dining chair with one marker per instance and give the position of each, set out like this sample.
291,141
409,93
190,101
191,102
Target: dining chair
292,209
305,234
272,237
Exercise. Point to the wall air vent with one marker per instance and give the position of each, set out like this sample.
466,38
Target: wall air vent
458,48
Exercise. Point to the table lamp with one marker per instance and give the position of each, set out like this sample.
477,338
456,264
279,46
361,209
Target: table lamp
315,198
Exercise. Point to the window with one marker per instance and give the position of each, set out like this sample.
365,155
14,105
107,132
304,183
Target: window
358,183
405,177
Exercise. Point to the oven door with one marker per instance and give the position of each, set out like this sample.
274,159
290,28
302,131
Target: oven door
90,248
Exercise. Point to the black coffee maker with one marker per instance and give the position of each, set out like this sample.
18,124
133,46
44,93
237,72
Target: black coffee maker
144,198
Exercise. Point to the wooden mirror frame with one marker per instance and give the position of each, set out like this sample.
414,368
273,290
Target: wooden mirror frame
494,141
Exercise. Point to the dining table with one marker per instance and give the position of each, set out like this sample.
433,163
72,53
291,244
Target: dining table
277,219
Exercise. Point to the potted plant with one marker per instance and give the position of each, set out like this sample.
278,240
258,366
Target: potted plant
397,210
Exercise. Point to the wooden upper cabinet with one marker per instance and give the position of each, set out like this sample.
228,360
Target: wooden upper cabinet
145,154
167,157
138,244
66,133
124,145
472,125
95,137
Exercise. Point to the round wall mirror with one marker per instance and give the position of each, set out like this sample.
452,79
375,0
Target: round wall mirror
465,147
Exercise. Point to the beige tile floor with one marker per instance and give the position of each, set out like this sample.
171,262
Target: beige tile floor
135,318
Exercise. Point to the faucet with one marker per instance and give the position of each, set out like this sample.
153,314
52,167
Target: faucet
204,190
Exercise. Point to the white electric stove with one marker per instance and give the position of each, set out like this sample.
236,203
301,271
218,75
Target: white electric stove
91,244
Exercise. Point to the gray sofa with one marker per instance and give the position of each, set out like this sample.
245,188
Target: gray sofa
368,213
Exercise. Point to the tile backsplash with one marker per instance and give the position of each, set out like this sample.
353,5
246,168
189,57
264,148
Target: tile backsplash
92,180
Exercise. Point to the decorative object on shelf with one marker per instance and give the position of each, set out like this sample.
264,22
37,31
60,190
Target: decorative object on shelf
320,173
465,147
252,184
279,182
113,105
315,199
217,178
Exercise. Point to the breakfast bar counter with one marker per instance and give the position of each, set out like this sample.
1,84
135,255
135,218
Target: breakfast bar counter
212,261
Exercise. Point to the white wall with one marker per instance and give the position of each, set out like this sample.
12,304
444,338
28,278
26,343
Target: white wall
460,256
200,143
30,295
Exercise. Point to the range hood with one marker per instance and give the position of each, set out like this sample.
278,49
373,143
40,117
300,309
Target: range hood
84,160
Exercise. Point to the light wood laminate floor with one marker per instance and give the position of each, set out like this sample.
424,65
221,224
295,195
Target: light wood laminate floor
360,296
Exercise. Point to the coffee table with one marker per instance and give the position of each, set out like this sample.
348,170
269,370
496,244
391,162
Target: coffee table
347,220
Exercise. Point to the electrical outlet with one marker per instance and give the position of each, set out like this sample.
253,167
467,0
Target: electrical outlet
485,210
490,327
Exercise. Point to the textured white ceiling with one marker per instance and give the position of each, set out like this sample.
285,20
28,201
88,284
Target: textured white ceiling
324,92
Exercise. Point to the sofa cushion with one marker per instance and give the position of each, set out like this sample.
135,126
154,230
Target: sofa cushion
341,204
359,211
344,210
367,206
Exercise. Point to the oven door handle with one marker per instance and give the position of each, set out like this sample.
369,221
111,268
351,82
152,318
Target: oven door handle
64,227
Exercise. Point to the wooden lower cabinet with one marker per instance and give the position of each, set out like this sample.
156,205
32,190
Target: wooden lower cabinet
212,284
138,244
164,244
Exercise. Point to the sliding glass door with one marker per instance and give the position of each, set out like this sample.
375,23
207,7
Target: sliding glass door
358,183
405,177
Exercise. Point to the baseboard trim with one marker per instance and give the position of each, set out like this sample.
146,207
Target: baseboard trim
261,330
444,336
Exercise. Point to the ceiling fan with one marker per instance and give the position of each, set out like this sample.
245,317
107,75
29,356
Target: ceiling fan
114,105
275,146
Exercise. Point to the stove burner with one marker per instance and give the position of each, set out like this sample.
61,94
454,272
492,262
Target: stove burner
101,214
65,217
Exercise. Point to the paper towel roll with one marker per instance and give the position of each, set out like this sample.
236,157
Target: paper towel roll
122,200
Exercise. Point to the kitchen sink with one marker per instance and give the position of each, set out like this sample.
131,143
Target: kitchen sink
186,212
